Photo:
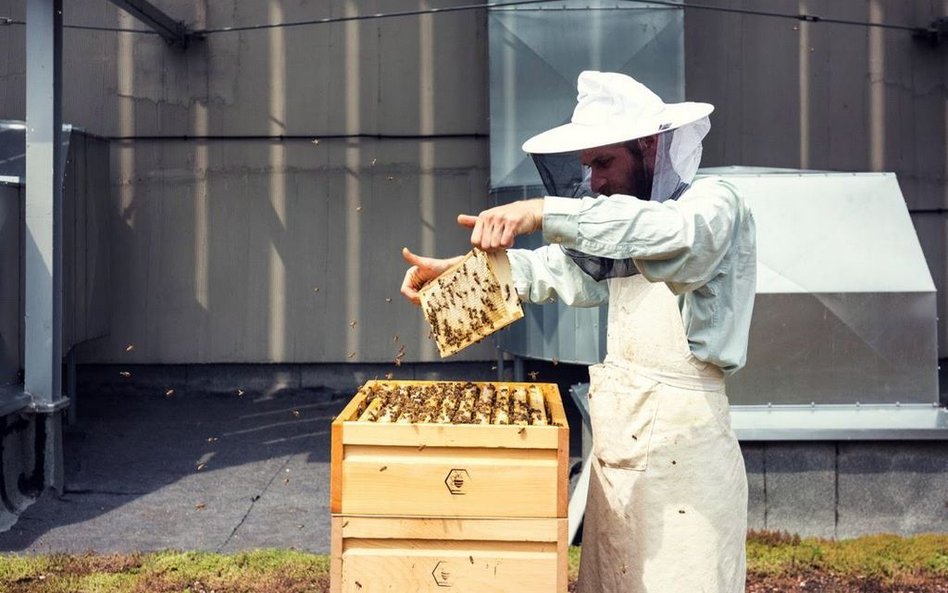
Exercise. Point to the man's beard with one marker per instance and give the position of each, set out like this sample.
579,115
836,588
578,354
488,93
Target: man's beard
638,185
641,184
639,181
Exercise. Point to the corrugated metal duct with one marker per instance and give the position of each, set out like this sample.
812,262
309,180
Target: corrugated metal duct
845,308
536,54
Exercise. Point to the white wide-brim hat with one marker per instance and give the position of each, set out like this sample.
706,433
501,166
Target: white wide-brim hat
613,108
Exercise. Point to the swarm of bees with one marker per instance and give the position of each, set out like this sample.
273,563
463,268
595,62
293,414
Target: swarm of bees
470,301
454,403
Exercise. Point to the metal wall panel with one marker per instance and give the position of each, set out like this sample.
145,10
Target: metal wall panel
840,348
831,232
214,271
536,55
11,312
86,196
777,103
219,245
830,97
845,308
86,190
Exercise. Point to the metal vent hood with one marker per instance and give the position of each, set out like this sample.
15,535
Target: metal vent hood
843,342
845,308
536,55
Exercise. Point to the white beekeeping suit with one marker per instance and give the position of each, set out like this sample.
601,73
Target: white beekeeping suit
667,504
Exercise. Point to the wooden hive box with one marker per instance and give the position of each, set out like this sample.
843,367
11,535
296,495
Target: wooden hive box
425,506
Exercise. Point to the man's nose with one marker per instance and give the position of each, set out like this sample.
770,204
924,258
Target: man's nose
597,183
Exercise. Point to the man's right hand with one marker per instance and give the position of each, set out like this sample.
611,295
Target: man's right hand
497,227
422,271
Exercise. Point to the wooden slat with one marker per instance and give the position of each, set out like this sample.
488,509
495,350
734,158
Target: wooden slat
455,554
335,469
562,479
562,555
413,547
449,455
443,528
552,394
488,436
468,482
337,528
350,412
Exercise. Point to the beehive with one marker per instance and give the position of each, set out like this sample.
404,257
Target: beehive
449,499
470,301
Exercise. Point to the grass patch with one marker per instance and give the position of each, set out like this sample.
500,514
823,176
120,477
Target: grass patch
259,571
884,558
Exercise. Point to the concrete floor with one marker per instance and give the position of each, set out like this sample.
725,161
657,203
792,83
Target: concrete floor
222,472
211,457
237,458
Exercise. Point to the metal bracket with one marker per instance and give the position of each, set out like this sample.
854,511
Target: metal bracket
840,422
172,31
41,408
13,399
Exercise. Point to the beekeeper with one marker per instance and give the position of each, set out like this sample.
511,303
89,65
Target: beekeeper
675,258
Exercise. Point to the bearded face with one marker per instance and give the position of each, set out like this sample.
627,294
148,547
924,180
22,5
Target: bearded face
626,168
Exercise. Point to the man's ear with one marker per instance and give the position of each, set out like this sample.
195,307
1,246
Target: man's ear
648,142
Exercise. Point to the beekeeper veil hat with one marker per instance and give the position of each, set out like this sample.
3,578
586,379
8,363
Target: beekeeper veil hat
613,108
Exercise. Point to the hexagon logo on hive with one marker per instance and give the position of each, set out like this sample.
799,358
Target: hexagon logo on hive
457,480
443,575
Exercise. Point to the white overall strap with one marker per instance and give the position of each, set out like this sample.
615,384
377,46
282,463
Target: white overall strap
710,379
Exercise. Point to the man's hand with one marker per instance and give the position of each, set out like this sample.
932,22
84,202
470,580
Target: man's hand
497,227
422,271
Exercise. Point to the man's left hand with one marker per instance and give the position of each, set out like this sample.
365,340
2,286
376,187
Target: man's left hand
497,227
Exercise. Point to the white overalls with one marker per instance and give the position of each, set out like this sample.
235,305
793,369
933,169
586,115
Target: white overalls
667,504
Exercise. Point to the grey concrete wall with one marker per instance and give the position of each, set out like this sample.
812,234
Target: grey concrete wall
259,250
848,489
219,245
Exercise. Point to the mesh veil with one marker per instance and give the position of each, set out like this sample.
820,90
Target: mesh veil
676,161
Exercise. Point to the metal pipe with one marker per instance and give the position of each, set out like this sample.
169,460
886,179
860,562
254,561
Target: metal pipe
44,167
72,414
172,31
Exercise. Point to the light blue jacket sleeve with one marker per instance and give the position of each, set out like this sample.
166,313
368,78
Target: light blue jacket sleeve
680,242
541,275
